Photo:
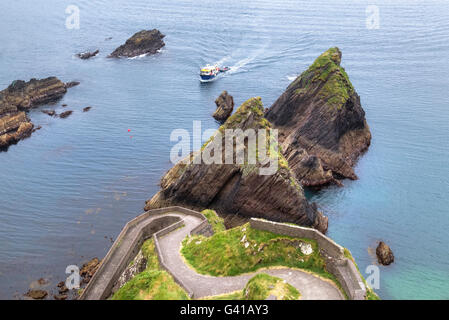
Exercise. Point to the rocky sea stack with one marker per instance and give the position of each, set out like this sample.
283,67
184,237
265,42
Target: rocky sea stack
20,97
143,42
322,126
239,189
384,254
225,105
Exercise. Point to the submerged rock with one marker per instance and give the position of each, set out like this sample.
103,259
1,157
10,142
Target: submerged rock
239,188
384,254
225,105
36,294
87,55
65,114
86,109
321,122
143,42
51,113
20,97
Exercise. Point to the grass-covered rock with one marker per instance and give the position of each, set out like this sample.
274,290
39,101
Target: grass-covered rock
261,287
244,249
215,221
151,284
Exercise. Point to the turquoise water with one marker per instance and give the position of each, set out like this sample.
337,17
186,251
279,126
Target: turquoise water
76,181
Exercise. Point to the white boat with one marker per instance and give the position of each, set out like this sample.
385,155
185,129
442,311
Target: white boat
210,72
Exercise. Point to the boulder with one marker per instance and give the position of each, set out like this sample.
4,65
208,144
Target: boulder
36,294
87,55
225,105
89,268
384,254
239,188
321,122
65,114
143,42
86,109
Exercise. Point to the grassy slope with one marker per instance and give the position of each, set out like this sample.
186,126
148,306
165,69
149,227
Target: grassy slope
151,284
260,287
243,249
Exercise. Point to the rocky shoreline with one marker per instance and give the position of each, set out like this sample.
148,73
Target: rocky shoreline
19,98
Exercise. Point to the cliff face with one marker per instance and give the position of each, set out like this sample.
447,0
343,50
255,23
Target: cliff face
321,122
18,98
143,42
239,188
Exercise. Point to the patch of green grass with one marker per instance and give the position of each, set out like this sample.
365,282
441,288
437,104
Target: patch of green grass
244,249
260,287
215,221
152,283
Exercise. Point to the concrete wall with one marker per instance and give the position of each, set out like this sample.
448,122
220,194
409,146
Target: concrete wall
128,244
342,268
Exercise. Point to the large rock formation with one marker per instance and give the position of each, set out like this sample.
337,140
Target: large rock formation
225,105
18,98
321,122
143,42
239,188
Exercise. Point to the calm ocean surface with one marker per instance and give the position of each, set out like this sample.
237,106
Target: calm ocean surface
75,182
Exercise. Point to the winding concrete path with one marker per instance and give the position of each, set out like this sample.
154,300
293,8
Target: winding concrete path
310,286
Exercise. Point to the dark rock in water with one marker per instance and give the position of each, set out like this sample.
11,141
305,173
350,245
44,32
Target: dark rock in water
384,254
87,109
320,116
42,281
64,105
61,284
36,294
65,114
37,128
143,42
239,188
72,84
51,113
88,269
63,289
60,296
108,38
87,55
225,105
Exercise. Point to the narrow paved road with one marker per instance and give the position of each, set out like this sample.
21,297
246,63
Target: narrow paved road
311,287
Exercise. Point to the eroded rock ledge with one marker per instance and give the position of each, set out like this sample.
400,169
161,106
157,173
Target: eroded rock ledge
143,42
322,126
20,97
239,188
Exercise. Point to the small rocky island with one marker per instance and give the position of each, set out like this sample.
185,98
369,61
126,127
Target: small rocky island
225,105
239,188
20,97
143,42
321,122
322,132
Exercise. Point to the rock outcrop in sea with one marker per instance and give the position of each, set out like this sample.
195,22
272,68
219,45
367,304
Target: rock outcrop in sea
322,126
239,188
384,254
87,55
143,42
20,97
225,105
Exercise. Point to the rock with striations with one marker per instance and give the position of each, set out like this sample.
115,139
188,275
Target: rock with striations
225,105
20,97
143,42
239,188
384,254
321,123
